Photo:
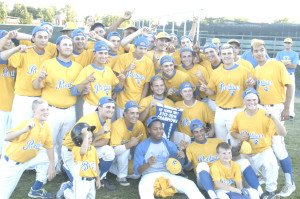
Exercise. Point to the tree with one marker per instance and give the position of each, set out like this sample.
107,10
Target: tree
3,12
284,20
48,14
210,20
70,13
108,20
20,10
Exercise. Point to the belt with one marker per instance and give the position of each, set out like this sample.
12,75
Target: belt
69,150
10,160
88,179
57,107
227,108
291,73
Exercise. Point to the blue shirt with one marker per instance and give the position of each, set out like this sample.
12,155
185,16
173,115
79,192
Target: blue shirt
248,56
288,56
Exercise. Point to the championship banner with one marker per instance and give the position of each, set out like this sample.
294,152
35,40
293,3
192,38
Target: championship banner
170,117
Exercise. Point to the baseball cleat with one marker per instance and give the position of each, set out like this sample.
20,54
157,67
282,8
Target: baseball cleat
41,193
287,190
107,184
60,192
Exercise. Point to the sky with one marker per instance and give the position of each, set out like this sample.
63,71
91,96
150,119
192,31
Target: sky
167,10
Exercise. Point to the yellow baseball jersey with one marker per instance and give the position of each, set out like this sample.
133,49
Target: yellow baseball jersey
199,110
228,176
271,80
122,50
260,129
91,45
85,58
86,164
112,61
27,145
203,152
50,48
229,86
93,120
247,64
135,79
175,82
105,82
7,82
57,85
121,135
27,64
150,54
145,102
196,68
176,56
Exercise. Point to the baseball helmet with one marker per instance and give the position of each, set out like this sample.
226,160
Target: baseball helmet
174,166
76,132
246,148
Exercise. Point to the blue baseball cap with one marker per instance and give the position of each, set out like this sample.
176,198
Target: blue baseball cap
174,35
97,24
209,45
166,58
249,91
78,32
156,77
152,119
101,46
186,49
142,41
151,34
196,124
61,38
3,33
131,104
186,36
186,85
113,34
39,28
105,100
46,23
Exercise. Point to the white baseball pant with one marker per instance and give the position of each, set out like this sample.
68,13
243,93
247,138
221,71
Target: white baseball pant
5,125
120,164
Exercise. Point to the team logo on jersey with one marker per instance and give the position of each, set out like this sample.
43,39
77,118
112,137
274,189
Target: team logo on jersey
136,76
7,73
62,84
32,69
286,58
228,182
85,165
210,158
253,136
106,88
185,122
31,145
230,87
264,83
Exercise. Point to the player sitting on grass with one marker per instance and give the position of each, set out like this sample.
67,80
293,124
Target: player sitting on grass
31,145
86,170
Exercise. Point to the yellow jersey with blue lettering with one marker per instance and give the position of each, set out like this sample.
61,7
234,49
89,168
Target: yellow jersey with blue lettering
27,145
105,82
259,127
150,54
27,65
84,59
7,82
196,68
203,152
50,48
93,120
271,79
135,79
86,165
121,135
228,176
229,85
58,83
199,110
145,102
175,82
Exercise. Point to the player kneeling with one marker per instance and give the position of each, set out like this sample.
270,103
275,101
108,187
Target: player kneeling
31,145
150,160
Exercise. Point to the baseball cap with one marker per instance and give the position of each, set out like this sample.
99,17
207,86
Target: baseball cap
105,100
215,40
96,25
166,58
246,148
61,38
209,45
174,35
186,36
130,27
162,35
288,40
174,166
131,104
186,85
186,49
114,33
234,41
196,124
141,41
69,26
78,32
101,46
249,91
152,119
151,34
156,77
39,28
46,23
3,33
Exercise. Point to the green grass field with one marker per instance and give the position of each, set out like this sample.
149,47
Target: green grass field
291,140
